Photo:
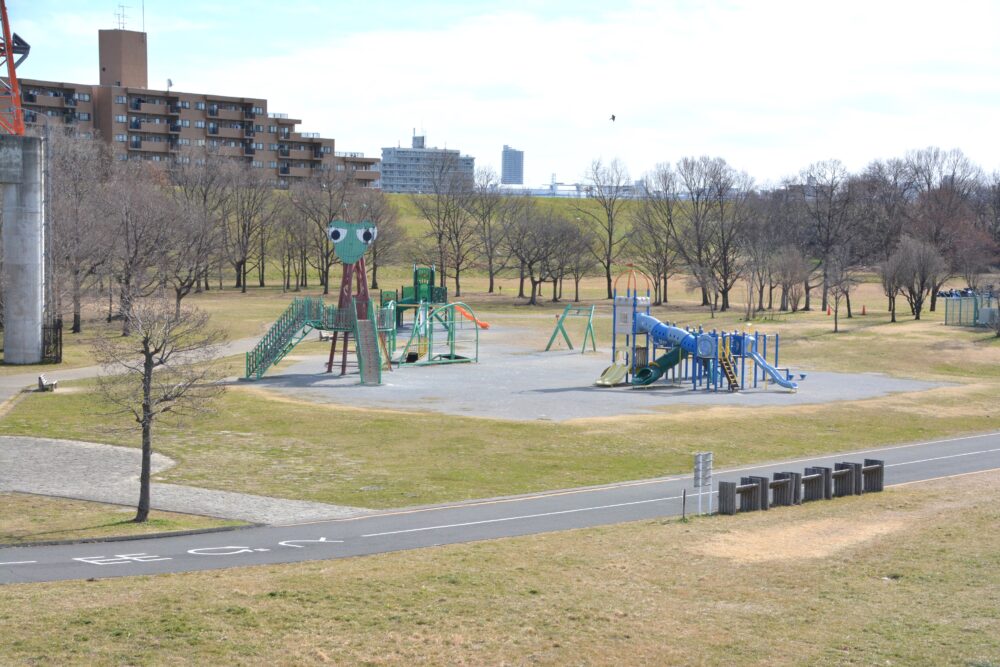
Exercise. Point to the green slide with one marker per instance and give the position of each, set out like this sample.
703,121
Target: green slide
655,370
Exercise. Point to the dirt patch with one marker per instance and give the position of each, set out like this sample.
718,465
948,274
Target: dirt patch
809,539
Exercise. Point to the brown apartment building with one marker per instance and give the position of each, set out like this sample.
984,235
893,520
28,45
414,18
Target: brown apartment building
145,124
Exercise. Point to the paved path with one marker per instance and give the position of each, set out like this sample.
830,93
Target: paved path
109,474
465,522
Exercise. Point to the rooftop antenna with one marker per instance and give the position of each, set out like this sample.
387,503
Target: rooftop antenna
121,17
170,84
144,15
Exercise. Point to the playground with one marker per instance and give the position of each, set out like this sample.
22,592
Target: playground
514,382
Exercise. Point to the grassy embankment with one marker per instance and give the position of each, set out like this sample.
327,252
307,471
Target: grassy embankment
278,445
907,577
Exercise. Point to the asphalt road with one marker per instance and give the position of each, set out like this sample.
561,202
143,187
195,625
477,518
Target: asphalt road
450,524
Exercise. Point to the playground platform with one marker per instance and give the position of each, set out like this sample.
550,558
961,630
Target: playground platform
512,382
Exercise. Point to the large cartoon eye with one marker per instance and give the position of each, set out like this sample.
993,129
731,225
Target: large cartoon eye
367,235
337,234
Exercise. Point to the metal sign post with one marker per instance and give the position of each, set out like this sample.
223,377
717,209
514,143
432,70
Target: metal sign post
703,477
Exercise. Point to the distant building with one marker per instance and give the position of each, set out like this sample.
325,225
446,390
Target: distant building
512,166
156,125
414,170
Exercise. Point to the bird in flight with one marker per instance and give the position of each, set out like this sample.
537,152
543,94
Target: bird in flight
612,118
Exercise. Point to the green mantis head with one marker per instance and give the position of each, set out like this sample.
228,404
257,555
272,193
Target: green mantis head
351,239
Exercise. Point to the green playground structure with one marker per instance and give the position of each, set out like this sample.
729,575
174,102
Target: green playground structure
374,339
409,297
446,334
575,311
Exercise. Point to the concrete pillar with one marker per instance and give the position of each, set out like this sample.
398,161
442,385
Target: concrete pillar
21,177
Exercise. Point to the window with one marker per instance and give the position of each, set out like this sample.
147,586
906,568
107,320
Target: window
199,142
272,164
199,106
327,149
120,99
184,104
121,118
258,128
257,164
185,123
199,123
83,97
258,109
272,147
184,142
121,137
83,115
272,128
340,167
259,147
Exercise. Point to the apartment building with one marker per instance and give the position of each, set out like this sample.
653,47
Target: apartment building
511,166
145,124
414,170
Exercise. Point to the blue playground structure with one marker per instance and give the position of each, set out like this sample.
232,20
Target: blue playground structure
709,360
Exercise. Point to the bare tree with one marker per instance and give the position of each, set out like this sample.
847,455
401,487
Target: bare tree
442,208
891,274
730,191
535,237
77,169
141,214
842,278
920,269
199,180
161,368
491,210
945,182
651,241
321,199
691,226
792,271
251,211
374,206
606,188
828,197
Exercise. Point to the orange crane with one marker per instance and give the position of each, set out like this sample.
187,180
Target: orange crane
11,113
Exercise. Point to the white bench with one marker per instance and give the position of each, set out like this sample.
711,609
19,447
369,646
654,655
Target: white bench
45,384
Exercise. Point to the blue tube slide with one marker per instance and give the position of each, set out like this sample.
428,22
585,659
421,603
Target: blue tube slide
665,335
704,345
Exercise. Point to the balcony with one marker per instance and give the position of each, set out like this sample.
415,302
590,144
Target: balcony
249,150
249,132
174,109
230,132
212,129
135,142
284,169
135,124
174,128
69,118
30,117
249,114
135,104
213,110
283,151
30,97
69,100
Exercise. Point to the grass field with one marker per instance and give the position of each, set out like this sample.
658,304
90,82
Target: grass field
907,577
26,519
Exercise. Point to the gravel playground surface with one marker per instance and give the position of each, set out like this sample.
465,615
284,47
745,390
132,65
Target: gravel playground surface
510,382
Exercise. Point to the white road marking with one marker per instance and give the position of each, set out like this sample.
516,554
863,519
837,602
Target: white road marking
524,516
19,562
940,458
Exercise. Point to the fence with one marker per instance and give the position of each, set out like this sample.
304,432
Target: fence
756,493
980,310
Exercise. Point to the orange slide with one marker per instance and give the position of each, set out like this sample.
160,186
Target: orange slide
469,316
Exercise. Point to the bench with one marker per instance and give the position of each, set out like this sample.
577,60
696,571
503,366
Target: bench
323,335
45,384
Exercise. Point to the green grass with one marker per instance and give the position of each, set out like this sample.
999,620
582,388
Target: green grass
27,519
907,577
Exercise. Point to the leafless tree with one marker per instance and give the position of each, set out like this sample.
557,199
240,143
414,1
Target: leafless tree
607,185
945,182
443,210
891,274
842,277
374,206
80,233
920,269
292,243
730,190
140,214
828,197
534,239
691,224
792,271
199,180
252,209
162,367
491,211
651,241
320,199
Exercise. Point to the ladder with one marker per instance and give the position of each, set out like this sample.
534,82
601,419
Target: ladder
728,366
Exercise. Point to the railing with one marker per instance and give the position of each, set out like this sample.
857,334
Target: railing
277,115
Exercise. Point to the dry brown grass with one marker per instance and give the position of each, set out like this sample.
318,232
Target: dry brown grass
907,577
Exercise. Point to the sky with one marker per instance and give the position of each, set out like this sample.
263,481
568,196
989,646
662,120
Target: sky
769,85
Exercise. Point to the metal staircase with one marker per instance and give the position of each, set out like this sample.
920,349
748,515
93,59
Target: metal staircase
727,363
287,332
